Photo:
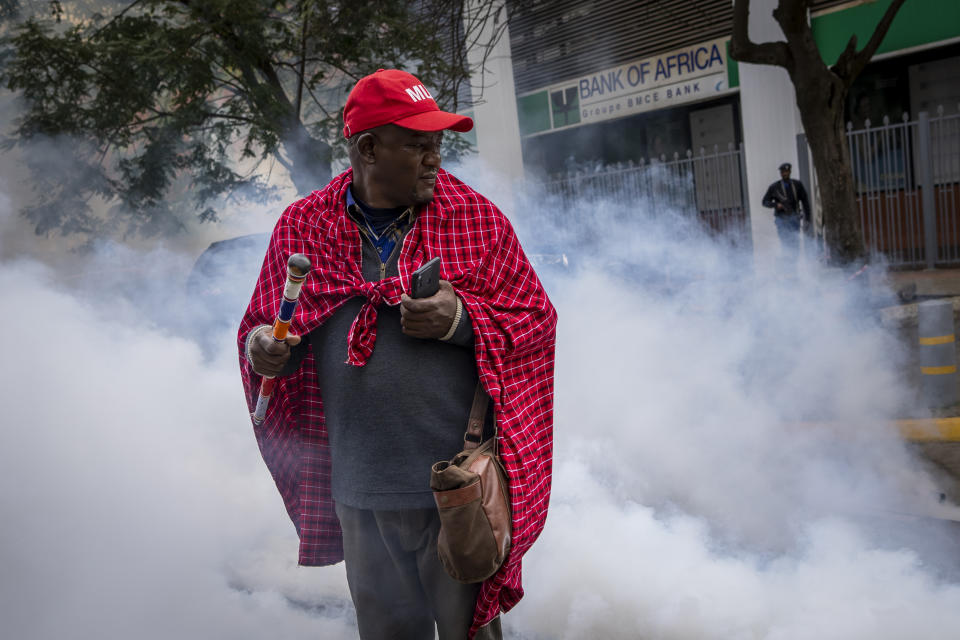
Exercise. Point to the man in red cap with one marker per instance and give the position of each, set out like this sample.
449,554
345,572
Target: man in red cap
374,386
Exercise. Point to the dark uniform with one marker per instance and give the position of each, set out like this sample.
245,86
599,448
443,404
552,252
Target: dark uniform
794,208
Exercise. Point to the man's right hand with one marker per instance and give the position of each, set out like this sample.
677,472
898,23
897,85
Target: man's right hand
779,206
267,356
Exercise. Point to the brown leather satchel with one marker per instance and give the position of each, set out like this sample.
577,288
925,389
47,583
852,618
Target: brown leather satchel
474,503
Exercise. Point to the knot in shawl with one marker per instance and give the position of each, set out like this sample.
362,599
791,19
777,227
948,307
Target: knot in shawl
363,331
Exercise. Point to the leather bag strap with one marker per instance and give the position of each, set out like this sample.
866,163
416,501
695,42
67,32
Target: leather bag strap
478,414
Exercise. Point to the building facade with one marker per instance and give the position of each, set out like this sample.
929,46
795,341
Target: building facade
614,83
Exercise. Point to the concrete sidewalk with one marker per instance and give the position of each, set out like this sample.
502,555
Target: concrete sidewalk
933,282
938,441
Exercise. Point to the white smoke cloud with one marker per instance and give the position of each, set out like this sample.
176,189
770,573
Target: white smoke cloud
692,500
134,500
725,463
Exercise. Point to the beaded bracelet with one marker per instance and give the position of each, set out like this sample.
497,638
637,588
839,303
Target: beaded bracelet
456,321
250,336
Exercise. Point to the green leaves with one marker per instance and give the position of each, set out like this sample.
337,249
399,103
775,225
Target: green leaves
164,107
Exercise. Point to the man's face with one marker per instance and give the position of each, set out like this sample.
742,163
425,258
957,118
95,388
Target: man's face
785,174
407,164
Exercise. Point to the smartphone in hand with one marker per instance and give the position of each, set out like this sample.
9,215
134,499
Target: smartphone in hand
425,281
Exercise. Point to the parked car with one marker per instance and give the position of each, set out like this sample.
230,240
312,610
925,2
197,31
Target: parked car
222,280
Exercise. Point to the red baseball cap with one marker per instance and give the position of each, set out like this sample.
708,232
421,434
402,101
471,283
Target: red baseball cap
391,96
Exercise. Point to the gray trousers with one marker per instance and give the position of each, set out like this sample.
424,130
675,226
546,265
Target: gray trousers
399,587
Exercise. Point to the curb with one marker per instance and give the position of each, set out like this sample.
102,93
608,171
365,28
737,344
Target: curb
930,429
906,314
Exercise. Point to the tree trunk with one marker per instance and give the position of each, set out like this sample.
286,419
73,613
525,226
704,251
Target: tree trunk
309,160
841,219
821,107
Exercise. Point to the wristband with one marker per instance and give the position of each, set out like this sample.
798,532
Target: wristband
456,321
250,336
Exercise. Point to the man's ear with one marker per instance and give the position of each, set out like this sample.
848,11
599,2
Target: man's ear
367,147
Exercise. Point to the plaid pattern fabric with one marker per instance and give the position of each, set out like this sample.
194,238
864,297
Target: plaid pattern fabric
514,326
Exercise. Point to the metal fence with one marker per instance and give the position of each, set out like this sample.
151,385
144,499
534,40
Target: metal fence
708,186
907,177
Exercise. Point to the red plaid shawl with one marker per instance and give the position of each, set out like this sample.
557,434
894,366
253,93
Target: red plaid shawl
514,324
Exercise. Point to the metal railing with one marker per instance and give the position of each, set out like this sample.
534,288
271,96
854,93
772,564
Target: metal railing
907,177
708,186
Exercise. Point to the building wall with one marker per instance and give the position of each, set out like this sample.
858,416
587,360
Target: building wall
695,72
918,23
771,123
556,46
556,40
495,116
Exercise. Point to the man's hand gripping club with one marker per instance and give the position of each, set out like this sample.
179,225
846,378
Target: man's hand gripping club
267,356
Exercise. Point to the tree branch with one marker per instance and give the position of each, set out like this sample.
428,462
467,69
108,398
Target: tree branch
841,67
301,73
115,18
850,64
745,50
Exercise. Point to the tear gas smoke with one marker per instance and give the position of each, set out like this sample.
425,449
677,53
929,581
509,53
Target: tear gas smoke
725,465
134,504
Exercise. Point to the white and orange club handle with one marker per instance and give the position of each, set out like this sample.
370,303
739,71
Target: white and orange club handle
298,266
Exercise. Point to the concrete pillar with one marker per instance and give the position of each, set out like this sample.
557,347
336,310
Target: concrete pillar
938,353
495,112
771,123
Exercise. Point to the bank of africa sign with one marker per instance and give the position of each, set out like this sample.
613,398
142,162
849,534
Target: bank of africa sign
684,75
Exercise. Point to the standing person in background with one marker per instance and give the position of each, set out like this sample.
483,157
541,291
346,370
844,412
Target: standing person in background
791,210
377,386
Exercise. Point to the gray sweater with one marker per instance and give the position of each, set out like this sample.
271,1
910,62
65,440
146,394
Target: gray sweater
391,419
